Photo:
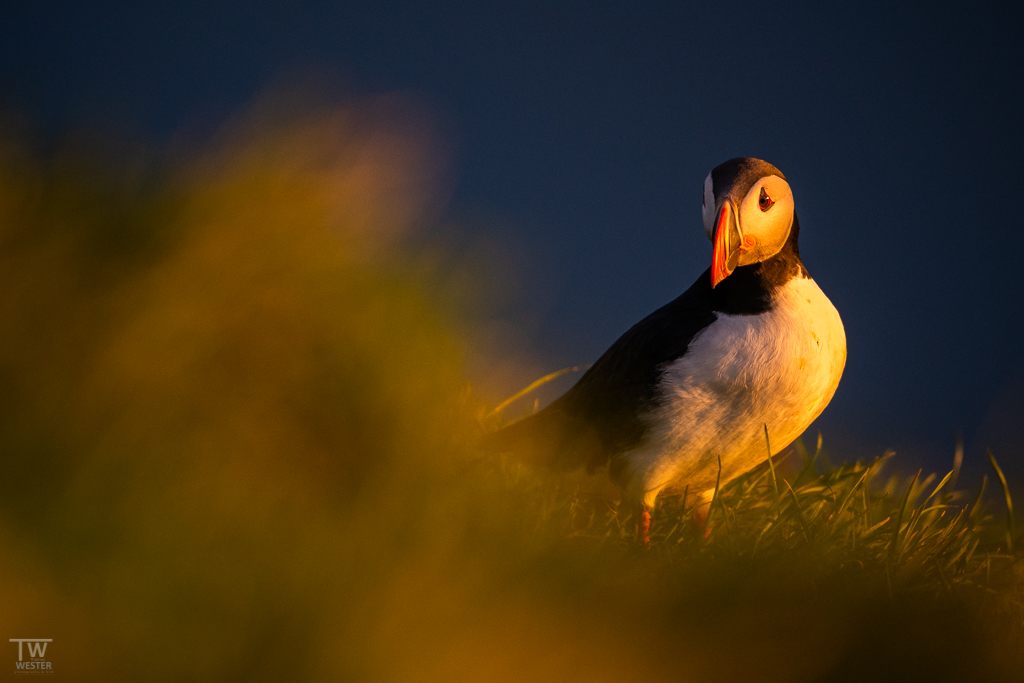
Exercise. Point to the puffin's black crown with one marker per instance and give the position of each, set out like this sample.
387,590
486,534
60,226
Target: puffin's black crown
738,175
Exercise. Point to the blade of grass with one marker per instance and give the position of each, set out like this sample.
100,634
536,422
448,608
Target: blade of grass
970,551
958,457
808,461
714,496
928,527
802,451
1009,503
771,466
975,509
799,511
849,496
876,527
939,487
952,561
920,487
534,385
946,537
894,544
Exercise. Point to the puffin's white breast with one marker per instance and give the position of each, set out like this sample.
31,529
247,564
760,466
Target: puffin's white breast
779,368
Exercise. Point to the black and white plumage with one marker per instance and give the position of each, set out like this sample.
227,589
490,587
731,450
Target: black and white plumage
753,342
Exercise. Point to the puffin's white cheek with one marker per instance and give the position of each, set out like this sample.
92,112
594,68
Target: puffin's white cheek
765,232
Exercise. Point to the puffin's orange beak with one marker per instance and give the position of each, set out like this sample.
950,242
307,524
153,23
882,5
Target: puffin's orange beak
728,241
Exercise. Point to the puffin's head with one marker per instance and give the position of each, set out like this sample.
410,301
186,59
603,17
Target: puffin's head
748,213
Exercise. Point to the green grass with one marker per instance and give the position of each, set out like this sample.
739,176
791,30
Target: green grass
914,529
911,578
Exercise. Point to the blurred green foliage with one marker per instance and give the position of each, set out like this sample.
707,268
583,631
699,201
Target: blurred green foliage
221,378
236,444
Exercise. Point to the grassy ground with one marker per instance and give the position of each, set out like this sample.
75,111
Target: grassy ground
236,444
807,571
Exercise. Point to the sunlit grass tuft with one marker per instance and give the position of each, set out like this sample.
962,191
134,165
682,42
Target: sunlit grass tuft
846,550
912,531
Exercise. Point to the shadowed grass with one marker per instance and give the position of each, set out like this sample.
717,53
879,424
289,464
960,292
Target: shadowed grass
847,552
847,542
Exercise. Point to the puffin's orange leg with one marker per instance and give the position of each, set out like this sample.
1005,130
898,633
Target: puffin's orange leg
643,526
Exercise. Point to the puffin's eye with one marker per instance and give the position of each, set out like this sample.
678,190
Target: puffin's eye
764,201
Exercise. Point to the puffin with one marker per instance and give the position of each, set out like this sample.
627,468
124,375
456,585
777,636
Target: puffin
686,397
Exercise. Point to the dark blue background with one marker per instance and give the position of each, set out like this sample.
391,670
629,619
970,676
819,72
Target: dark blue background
588,129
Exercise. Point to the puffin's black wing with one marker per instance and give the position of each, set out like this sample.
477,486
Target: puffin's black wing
601,415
